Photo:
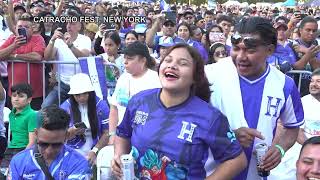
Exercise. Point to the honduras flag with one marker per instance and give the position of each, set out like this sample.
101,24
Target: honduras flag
164,6
94,67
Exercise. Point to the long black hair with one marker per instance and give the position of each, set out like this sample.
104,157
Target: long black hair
92,113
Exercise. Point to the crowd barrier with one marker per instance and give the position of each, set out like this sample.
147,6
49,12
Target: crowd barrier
58,71
303,74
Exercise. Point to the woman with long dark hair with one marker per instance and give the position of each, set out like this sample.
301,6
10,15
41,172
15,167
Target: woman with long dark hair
171,130
88,130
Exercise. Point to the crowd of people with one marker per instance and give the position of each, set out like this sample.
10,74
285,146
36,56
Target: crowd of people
191,91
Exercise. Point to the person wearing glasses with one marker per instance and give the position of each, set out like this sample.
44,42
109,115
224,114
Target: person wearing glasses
255,95
188,17
217,52
50,151
168,28
200,22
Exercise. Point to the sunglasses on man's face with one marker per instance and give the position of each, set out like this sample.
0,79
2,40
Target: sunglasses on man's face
249,42
45,145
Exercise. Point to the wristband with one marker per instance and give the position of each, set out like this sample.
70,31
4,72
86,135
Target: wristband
280,149
95,150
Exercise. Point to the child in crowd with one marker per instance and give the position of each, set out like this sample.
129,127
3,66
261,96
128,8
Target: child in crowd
22,122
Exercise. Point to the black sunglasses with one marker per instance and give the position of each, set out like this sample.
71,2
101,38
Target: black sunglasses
249,42
44,145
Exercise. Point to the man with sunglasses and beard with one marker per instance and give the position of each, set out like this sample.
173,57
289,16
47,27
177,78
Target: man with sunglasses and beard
168,30
50,153
255,95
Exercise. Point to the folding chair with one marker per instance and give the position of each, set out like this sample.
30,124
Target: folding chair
104,159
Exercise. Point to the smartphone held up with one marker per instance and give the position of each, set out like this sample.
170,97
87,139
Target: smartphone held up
23,32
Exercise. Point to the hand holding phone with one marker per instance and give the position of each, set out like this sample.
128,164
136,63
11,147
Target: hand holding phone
23,32
80,125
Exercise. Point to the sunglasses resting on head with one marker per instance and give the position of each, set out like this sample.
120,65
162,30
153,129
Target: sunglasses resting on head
249,42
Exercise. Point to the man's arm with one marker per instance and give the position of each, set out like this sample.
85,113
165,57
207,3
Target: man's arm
122,146
315,63
59,9
103,141
286,140
32,139
301,136
233,167
113,122
50,51
150,34
32,56
5,52
307,57
80,53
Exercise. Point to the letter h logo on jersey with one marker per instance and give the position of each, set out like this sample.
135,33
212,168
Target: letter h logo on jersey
274,106
191,127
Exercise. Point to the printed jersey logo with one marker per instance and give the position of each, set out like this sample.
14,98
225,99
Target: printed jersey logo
231,135
188,129
28,176
140,117
273,104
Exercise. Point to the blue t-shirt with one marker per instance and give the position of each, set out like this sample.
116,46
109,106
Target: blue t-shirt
174,143
68,164
282,54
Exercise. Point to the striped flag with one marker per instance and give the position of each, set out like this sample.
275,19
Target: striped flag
164,6
94,67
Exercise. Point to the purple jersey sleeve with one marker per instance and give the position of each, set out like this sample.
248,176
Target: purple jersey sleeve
292,114
223,145
125,128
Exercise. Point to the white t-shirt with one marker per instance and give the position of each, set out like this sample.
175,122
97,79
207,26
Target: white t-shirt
127,86
286,170
311,107
119,61
84,118
65,54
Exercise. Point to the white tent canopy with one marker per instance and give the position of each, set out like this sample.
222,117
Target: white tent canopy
232,3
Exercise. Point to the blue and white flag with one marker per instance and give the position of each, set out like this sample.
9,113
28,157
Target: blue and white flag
94,67
164,6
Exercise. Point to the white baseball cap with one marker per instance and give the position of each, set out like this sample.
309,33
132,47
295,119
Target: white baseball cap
80,83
